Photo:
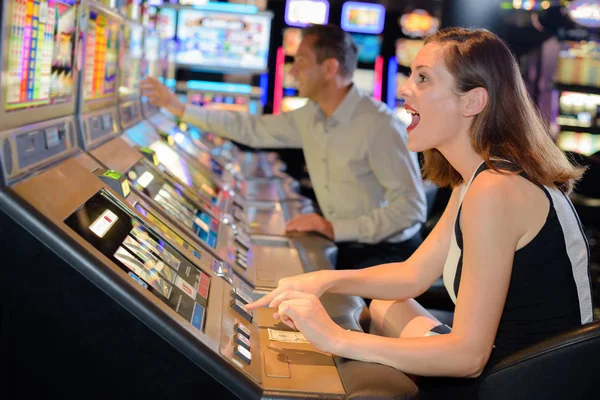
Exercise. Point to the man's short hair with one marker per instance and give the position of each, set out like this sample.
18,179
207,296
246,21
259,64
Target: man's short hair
333,42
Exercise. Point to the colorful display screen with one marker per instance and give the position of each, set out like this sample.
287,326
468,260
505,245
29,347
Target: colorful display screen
305,12
585,13
40,53
131,69
101,57
166,21
145,257
217,40
369,47
363,17
215,101
152,56
174,202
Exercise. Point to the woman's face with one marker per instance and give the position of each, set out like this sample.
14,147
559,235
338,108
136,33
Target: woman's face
430,98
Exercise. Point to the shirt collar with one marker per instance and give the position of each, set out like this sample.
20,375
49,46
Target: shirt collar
343,113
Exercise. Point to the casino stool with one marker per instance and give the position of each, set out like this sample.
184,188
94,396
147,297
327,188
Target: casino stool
563,366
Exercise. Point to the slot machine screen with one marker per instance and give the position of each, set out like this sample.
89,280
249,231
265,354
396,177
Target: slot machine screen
217,101
174,202
131,69
219,41
167,18
40,53
101,57
363,17
145,257
305,12
152,55
369,47
365,80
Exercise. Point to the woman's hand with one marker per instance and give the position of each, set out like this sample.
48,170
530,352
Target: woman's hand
159,95
315,283
304,312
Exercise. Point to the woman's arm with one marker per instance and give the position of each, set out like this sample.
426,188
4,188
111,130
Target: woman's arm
492,226
403,280
394,281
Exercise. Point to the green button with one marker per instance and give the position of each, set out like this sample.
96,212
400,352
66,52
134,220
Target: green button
112,174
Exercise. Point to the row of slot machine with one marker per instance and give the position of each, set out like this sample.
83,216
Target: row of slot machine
201,47
130,242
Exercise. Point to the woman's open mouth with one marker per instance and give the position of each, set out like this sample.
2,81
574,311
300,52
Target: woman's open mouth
416,117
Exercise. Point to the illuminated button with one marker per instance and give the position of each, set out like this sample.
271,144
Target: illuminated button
240,215
243,354
241,263
242,254
241,329
242,341
238,307
242,240
240,295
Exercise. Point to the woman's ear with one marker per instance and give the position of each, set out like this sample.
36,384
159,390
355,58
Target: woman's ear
474,101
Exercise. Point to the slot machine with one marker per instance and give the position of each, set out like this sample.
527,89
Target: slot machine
298,14
165,185
366,21
96,298
245,48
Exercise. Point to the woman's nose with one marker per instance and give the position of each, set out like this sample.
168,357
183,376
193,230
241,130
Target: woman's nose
405,91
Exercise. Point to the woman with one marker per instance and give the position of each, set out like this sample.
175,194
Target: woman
509,244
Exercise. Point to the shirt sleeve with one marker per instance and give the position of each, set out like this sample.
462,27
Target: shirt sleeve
398,172
276,131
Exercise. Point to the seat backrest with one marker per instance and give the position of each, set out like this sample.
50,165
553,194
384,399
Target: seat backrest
563,367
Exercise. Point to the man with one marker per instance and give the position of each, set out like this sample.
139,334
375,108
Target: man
368,185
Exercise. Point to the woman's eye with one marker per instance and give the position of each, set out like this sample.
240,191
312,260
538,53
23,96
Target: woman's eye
422,78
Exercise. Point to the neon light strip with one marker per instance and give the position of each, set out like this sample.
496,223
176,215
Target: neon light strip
391,82
219,87
264,86
378,83
278,95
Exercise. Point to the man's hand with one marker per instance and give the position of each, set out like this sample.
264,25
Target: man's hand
159,95
310,223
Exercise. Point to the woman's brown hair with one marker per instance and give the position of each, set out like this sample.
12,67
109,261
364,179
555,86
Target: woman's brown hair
510,127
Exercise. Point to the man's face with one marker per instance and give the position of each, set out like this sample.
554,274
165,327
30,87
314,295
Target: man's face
309,74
